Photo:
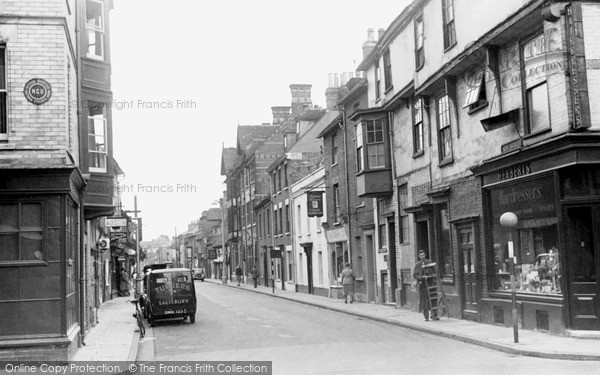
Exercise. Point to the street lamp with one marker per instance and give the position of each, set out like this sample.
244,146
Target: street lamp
510,220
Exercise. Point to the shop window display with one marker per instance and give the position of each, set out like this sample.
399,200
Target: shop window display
534,239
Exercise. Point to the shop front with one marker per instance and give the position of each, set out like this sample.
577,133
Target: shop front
555,194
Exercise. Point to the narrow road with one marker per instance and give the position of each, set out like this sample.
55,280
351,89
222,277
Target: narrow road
237,325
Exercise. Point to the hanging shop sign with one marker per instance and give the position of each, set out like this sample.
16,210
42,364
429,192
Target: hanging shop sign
37,91
315,203
212,254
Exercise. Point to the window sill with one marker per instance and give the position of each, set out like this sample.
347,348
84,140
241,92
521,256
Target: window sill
360,205
420,66
334,165
337,223
388,89
418,154
446,162
478,108
449,47
539,132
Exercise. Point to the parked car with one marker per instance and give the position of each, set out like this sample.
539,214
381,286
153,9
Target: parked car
199,274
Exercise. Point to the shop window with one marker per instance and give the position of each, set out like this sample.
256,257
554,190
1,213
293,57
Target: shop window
419,42
387,70
21,232
536,87
98,151
418,137
3,95
94,14
445,258
448,19
404,222
534,239
444,109
475,98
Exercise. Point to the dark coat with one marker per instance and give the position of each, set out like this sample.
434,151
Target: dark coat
238,271
422,283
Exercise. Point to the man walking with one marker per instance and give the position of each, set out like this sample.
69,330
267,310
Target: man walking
254,274
348,278
238,274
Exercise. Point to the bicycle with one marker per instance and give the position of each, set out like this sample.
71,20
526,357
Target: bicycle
139,317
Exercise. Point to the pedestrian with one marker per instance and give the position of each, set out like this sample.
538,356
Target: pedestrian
254,274
238,274
124,282
348,278
424,276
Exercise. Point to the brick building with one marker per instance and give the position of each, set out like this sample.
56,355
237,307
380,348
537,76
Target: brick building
483,118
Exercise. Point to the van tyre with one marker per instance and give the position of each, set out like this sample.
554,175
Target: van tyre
192,319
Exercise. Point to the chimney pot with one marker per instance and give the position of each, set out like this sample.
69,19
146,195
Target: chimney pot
370,35
380,33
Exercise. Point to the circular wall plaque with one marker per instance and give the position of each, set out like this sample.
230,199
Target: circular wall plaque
37,91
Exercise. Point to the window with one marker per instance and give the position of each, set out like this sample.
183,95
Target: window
387,70
336,203
382,237
94,15
375,144
285,175
446,265
536,87
281,220
404,225
274,183
98,152
299,219
359,148
419,42
334,149
475,97
268,222
275,229
290,266
418,136
449,30
279,180
21,231
377,81
3,94
287,218
444,132
320,267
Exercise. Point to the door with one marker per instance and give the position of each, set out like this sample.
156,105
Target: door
371,270
468,274
385,289
392,260
309,268
583,259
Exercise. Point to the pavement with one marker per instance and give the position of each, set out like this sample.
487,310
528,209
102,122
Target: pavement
116,336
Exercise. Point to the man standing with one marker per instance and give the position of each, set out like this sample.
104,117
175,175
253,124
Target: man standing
348,278
254,274
421,274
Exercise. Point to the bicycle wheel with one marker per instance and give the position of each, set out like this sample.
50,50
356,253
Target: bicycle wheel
140,323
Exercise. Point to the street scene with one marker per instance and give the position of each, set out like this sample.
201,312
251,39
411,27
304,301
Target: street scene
322,188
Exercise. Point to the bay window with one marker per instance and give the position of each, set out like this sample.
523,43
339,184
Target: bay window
98,152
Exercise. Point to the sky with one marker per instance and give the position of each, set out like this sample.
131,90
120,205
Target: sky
185,73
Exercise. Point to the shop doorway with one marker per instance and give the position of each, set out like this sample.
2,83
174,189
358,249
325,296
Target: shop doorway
309,269
582,239
468,278
371,270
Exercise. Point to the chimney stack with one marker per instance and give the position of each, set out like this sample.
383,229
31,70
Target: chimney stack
332,92
301,97
369,44
280,113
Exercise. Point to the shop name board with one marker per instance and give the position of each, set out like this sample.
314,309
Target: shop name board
514,172
276,254
116,222
314,203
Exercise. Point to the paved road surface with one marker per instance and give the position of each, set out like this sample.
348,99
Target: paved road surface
237,325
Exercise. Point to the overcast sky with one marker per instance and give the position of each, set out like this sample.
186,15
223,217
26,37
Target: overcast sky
186,72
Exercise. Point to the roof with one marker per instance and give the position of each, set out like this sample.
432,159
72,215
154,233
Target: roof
311,114
228,156
330,126
212,214
351,89
308,142
247,134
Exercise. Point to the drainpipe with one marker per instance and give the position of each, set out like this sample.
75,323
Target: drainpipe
343,126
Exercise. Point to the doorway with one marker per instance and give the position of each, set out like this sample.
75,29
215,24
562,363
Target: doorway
582,224
371,270
392,260
468,272
309,268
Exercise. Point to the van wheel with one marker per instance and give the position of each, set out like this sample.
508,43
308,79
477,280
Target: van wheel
192,319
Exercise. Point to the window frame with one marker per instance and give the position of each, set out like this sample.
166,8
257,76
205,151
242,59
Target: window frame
360,163
528,87
419,25
387,71
449,27
476,96
444,130
94,104
334,149
418,127
96,30
336,203
42,230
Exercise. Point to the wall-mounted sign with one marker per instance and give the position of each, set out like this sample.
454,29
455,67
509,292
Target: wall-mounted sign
212,254
314,203
275,254
120,222
37,91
